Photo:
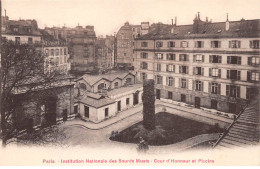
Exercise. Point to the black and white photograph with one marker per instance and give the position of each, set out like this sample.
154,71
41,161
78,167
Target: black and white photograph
129,82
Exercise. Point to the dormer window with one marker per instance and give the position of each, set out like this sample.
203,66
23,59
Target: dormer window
159,44
15,29
184,44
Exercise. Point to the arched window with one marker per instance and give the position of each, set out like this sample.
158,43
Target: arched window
101,86
116,84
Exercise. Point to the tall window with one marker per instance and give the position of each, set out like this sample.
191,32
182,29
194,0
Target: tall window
101,86
144,55
184,69
159,79
144,65
183,57
198,71
57,52
183,83
198,58
234,74
47,52
233,91
252,76
184,44
234,44
215,44
159,67
159,56
199,44
253,61
86,111
144,44
234,60
170,68
215,88
30,40
144,76
254,44
171,44
17,40
127,101
214,72
170,56
170,81
159,44
116,84
128,81
198,85
215,58
65,51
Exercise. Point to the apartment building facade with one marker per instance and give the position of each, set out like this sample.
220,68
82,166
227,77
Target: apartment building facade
125,43
211,65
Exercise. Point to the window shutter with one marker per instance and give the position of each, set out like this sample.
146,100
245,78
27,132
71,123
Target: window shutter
219,73
239,44
167,68
202,71
210,58
219,88
180,69
219,59
167,80
251,44
228,59
209,90
229,44
219,44
239,60
211,44
248,76
167,55
249,62
168,44
194,58
193,85
174,68
238,91
187,44
195,45
179,82
202,86
228,74
202,58
238,75
210,71
187,57
247,91
202,44
187,69
194,70
227,90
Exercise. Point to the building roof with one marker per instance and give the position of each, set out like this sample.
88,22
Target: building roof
50,39
95,100
92,79
242,28
245,130
22,26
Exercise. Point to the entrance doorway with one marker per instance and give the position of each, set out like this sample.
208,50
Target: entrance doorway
49,112
65,115
119,106
169,95
197,102
183,98
136,98
158,94
232,108
214,104
106,112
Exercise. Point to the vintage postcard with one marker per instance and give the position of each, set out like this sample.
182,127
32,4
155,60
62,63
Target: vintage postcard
130,82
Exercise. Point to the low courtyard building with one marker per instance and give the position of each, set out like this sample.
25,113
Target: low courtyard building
103,96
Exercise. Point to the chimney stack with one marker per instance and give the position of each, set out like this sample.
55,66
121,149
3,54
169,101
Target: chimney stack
5,12
227,24
175,20
198,15
172,21
207,19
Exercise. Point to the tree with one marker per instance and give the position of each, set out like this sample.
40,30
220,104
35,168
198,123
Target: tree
22,76
148,105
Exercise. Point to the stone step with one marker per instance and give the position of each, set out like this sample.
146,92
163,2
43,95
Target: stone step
251,116
241,140
244,131
243,126
235,143
250,135
254,139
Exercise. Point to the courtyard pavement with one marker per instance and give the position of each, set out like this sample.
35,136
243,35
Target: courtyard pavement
81,133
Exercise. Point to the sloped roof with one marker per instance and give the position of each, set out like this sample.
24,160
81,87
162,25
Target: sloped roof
95,100
243,28
92,79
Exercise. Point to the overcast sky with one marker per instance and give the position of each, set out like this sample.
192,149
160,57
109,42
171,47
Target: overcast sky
108,15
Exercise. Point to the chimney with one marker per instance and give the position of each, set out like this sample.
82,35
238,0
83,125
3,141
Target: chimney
198,15
175,20
172,21
5,12
207,19
227,24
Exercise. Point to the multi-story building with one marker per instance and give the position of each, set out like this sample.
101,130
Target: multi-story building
56,52
125,43
105,53
81,42
212,65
